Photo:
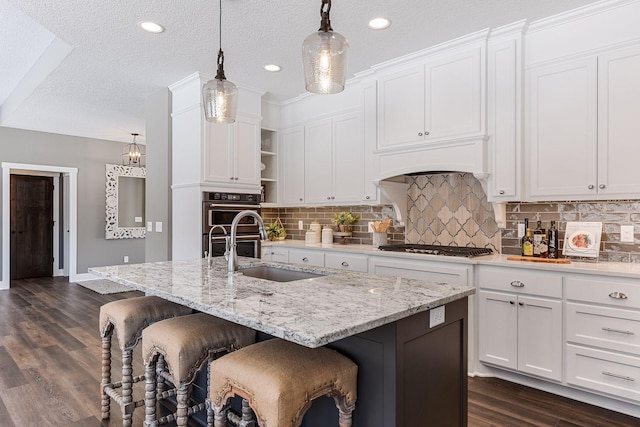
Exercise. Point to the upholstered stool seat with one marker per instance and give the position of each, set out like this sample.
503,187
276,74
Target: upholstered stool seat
128,317
279,379
186,343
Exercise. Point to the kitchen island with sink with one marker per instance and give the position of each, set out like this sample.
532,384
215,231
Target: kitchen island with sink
408,337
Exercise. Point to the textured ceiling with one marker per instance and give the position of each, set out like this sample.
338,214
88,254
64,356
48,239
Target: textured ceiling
98,86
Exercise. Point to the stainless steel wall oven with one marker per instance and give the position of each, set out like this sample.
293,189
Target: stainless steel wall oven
220,209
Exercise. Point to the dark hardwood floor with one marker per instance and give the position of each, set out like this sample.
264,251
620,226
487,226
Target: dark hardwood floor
50,369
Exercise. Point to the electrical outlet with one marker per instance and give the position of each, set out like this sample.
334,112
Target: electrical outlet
149,226
126,258
300,225
626,233
370,224
436,316
158,226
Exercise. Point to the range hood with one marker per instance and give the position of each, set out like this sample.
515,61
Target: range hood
465,155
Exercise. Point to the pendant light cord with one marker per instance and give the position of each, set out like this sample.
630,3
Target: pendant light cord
220,74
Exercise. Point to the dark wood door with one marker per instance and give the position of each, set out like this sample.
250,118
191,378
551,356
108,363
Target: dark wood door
31,226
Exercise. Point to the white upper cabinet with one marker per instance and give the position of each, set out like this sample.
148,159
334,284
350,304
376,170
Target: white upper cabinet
334,160
291,178
437,100
619,123
583,128
232,152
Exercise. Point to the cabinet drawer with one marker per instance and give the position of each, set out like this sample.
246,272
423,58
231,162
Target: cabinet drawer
606,327
604,371
440,272
315,258
275,254
346,261
520,281
603,291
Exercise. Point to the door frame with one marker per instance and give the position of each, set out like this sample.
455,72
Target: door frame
72,174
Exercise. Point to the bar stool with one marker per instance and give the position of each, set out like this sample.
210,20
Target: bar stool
186,343
128,317
279,379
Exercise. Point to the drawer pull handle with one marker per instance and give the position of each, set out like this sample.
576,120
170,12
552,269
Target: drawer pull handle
620,331
345,264
618,295
521,304
512,302
517,284
622,377
305,259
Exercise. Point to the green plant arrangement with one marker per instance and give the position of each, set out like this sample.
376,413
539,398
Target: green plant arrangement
344,220
275,230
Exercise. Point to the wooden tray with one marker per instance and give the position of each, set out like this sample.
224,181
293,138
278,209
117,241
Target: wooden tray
533,259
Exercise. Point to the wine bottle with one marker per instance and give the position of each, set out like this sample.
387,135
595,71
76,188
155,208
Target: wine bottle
527,244
544,246
526,227
537,238
553,241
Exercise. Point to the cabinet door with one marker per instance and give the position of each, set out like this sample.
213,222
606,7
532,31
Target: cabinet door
618,123
453,97
498,329
247,151
292,166
348,159
218,153
540,337
562,130
401,107
318,170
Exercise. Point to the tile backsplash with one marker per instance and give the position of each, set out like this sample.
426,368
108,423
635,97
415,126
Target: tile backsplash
360,235
612,214
450,209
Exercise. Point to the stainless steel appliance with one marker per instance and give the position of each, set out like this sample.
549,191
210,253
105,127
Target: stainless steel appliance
462,251
220,209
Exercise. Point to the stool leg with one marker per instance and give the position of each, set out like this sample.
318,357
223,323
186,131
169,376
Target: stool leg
127,387
150,395
106,375
344,419
247,415
220,416
182,405
161,367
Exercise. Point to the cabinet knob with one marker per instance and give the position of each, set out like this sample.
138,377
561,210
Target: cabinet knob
601,186
231,178
305,259
332,197
328,197
426,133
345,264
501,191
419,133
300,198
591,187
512,302
520,304
367,197
517,284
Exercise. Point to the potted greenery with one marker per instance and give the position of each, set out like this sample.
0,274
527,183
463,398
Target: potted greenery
344,220
275,230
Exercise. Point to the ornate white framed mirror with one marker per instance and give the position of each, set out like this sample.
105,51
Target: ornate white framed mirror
125,202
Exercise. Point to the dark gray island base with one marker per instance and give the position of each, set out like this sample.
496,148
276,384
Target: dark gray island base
408,374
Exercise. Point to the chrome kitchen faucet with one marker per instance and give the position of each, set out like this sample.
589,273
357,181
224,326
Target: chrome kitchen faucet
233,252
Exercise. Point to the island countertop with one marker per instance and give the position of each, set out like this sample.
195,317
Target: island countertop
311,312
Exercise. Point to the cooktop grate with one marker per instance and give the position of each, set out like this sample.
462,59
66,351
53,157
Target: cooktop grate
461,251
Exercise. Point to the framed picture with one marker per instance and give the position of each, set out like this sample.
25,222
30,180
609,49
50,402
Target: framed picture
582,239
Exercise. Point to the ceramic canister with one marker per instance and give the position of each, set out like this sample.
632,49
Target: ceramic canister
327,236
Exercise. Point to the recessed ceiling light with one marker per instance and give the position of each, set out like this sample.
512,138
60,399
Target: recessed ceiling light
273,68
379,23
151,27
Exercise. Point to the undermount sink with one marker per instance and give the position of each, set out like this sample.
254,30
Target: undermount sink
276,274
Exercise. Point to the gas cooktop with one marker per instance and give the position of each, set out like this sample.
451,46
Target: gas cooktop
462,251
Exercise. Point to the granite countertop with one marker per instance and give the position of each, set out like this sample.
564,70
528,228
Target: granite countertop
311,312
616,269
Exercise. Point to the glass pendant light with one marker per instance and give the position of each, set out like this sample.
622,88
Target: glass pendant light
220,96
133,154
324,56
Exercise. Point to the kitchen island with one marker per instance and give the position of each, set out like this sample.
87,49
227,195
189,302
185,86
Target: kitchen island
410,373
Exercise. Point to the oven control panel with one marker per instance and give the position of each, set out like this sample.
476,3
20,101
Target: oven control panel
232,198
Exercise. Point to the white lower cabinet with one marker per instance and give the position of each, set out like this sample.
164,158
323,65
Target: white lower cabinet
306,257
270,253
342,261
443,272
603,335
520,329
